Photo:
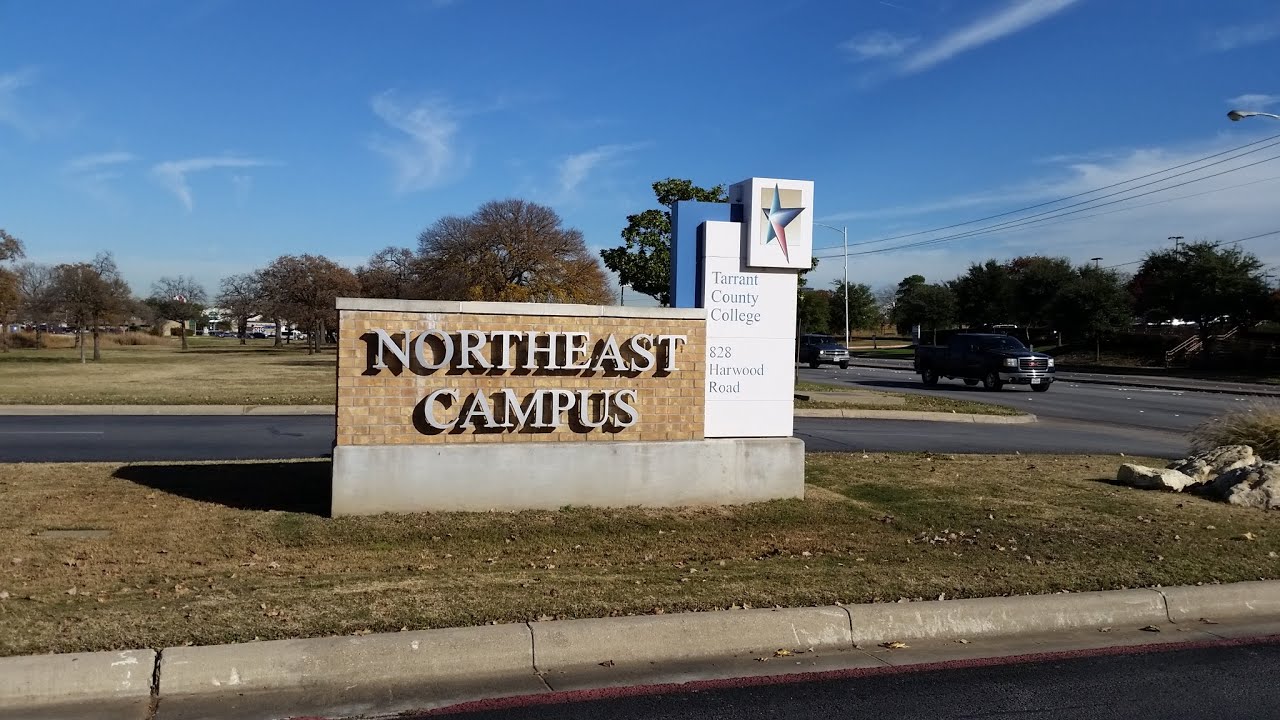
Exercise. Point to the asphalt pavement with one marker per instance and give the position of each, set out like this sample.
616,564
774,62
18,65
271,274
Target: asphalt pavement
133,438
1217,681
1074,418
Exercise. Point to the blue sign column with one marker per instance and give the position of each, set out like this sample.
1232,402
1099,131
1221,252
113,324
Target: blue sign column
686,217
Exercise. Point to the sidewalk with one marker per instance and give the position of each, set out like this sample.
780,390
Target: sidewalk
397,672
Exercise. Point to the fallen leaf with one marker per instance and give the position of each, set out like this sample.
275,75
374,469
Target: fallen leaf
962,641
607,663
1207,621
895,645
782,653
1150,628
1105,629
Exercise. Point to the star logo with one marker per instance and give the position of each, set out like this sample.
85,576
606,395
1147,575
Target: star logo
778,218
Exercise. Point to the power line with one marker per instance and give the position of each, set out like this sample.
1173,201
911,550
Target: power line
1220,243
1082,194
1032,220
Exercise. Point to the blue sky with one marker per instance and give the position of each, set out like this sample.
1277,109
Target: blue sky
206,137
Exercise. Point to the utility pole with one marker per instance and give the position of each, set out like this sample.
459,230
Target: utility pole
1177,242
1097,333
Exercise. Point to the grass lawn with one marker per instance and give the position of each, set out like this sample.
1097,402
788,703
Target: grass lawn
231,552
926,403
215,371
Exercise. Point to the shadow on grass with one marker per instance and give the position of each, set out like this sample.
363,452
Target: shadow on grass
301,487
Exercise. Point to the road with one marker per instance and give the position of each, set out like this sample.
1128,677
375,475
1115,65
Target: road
1188,684
1074,418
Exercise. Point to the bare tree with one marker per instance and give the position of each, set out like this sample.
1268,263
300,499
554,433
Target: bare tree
241,295
180,299
10,247
306,286
510,250
392,272
36,295
89,294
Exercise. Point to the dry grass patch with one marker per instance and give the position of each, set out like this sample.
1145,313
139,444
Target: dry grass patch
910,401
213,553
215,371
1256,425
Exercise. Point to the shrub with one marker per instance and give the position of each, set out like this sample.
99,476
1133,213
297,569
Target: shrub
1256,425
27,340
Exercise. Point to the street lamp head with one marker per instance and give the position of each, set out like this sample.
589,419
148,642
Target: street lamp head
1238,115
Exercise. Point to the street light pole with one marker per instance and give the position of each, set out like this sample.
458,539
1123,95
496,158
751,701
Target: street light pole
844,234
1097,335
1238,115
1177,241
1095,262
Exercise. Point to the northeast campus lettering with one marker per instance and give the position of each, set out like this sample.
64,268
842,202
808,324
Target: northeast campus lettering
528,353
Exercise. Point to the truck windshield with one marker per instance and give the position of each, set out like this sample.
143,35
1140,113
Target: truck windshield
1002,343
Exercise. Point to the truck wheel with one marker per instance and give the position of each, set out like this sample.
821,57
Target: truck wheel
1042,387
844,365
970,382
992,382
930,377
814,365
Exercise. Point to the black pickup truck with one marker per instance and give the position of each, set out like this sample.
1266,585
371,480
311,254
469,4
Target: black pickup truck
991,359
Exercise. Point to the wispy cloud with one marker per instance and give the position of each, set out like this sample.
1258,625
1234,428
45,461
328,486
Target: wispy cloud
173,174
1012,18
878,44
90,163
575,168
1253,101
1234,37
10,106
1226,208
423,154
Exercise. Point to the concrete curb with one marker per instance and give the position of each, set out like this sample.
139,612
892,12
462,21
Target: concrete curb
393,672
116,684
346,676
918,415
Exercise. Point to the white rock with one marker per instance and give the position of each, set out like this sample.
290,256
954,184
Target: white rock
1256,486
1141,476
1206,466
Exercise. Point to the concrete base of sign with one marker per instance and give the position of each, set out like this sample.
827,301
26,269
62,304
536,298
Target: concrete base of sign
370,479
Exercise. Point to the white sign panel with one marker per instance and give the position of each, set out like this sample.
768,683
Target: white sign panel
751,313
779,219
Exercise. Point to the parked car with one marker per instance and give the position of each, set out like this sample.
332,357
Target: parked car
991,359
817,350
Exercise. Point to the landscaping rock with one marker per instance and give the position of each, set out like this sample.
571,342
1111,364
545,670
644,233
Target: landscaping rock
1256,486
1209,465
1141,476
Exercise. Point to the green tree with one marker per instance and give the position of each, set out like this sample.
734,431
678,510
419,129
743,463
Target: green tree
643,262
1212,286
180,299
813,311
1038,282
10,295
864,310
984,294
932,307
1096,303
